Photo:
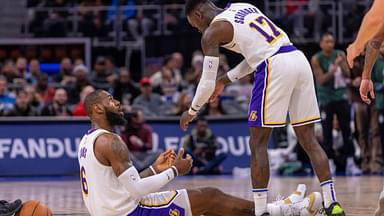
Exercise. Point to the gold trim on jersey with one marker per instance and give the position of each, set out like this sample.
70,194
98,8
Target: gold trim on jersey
306,121
168,201
265,99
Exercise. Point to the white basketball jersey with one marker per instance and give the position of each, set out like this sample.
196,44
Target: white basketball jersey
103,194
254,35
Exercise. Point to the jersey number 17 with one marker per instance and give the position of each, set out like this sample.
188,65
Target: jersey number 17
261,25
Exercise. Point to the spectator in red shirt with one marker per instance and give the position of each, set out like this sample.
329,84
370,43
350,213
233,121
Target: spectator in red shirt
138,137
79,109
45,93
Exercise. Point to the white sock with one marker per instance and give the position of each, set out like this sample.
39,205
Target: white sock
329,194
260,198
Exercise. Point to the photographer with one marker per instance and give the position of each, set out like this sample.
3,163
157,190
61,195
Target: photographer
201,144
138,137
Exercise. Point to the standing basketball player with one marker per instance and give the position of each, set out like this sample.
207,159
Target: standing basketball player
112,186
283,83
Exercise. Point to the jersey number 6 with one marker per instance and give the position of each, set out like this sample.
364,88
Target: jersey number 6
260,25
84,184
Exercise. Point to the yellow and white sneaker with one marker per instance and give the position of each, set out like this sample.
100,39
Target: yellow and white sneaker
310,206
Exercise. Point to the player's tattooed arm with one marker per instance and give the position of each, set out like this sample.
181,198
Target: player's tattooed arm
321,77
370,24
371,53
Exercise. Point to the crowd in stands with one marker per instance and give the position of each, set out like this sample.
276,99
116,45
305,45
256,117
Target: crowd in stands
95,18
25,90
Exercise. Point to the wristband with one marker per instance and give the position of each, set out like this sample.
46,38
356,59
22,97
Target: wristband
153,170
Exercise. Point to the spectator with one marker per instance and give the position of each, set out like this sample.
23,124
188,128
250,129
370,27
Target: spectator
214,109
7,100
125,89
79,109
101,78
138,137
34,71
168,87
81,74
157,77
201,144
151,103
34,98
111,66
378,82
367,124
331,70
23,106
241,91
65,76
59,106
9,70
45,93
176,64
183,104
21,67
192,76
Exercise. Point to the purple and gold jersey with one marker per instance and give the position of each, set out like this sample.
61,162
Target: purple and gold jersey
103,193
254,35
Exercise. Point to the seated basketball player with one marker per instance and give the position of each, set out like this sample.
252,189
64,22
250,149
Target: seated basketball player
111,185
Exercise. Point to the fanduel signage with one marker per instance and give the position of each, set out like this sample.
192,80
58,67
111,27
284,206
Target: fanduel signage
50,148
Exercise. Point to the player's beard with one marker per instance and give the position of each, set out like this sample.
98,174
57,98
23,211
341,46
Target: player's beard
115,118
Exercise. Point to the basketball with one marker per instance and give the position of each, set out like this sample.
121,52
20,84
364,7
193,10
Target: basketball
34,208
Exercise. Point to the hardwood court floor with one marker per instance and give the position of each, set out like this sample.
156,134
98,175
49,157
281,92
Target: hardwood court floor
358,194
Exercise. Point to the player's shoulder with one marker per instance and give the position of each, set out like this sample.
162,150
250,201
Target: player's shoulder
218,31
106,138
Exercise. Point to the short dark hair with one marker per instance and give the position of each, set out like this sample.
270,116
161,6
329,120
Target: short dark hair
92,99
192,4
328,33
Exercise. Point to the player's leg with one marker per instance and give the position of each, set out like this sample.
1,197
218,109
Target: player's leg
211,202
268,108
303,112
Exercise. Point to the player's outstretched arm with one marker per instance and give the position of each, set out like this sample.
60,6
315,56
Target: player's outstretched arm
216,34
371,24
110,150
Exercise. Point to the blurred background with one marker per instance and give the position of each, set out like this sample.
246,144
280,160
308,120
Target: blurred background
53,53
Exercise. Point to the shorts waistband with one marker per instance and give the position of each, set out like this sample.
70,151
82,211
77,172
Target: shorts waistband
285,49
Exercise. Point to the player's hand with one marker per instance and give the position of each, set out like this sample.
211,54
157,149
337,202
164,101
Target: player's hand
352,52
185,119
183,165
165,160
219,88
366,87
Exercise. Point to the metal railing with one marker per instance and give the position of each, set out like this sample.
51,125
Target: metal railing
318,15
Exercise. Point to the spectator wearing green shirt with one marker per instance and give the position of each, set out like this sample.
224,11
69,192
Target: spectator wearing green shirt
331,71
378,82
